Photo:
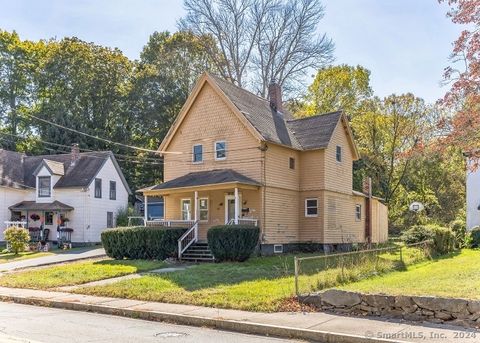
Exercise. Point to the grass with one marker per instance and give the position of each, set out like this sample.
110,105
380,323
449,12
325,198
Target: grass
11,257
259,284
456,275
76,273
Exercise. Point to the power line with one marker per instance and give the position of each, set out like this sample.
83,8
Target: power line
102,139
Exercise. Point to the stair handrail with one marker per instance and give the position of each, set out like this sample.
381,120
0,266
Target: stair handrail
190,236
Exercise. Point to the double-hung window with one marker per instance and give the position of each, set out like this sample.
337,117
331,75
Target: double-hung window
203,208
220,150
44,186
198,153
113,190
358,212
311,207
98,188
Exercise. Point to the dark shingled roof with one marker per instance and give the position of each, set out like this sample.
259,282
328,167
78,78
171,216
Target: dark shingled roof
37,206
314,132
20,168
281,128
208,177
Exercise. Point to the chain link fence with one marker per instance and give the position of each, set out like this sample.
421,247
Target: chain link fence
314,273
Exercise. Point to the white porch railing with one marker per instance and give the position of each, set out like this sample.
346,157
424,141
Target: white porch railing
187,239
244,221
15,223
169,223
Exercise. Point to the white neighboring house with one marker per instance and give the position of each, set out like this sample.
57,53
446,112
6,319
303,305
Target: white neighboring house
81,191
473,194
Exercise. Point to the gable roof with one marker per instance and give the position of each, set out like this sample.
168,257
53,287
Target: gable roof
22,169
265,123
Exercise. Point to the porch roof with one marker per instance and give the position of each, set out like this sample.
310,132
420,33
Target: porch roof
36,206
205,178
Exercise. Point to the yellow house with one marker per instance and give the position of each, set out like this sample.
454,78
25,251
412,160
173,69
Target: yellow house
233,157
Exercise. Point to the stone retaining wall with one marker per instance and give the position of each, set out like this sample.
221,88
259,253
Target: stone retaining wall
459,312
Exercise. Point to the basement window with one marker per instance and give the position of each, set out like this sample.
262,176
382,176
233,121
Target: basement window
278,248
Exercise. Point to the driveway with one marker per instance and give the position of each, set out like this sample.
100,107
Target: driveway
64,256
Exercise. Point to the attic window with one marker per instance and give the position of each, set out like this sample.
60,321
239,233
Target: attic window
339,153
44,186
220,150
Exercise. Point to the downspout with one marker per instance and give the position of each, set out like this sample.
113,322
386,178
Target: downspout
367,190
263,148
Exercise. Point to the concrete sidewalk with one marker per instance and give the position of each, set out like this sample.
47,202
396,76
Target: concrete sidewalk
64,256
320,327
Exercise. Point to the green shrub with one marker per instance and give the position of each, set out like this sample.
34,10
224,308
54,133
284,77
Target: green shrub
17,238
460,231
232,242
475,237
443,238
123,214
141,242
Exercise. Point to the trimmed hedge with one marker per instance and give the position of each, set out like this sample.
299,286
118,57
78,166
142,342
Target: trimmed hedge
146,243
233,242
443,238
475,237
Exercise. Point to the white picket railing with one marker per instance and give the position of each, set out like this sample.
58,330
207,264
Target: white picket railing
244,221
170,223
15,223
187,239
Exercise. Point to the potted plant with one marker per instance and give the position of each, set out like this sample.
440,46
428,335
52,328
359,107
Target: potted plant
34,217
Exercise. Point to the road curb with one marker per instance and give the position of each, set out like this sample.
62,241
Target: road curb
189,320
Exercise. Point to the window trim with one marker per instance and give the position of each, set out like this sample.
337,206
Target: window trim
337,154
181,207
200,210
112,189
306,208
358,213
215,150
193,154
99,188
291,163
49,186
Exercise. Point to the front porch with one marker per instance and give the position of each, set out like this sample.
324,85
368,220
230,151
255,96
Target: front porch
228,198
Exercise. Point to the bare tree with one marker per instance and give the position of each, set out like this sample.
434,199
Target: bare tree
273,39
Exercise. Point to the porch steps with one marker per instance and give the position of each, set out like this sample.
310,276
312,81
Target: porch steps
198,252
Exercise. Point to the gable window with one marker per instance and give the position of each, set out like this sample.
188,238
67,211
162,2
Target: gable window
186,209
44,186
203,208
113,190
197,153
220,150
358,212
339,153
109,220
98,188
291,163
311,207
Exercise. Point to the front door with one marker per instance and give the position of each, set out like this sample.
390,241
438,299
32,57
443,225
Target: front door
230,207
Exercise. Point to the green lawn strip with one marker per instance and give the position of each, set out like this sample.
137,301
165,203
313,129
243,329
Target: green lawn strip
11,257
259,284
456,275
76,273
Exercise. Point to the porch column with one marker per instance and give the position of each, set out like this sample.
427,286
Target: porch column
145,208
236,205
195,204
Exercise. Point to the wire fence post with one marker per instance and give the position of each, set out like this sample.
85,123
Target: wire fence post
296,274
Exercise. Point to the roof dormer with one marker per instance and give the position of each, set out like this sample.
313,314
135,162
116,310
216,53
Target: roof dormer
55,168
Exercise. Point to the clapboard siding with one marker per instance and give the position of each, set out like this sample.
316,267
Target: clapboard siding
209,120
281,215
379,222
312,170
277,168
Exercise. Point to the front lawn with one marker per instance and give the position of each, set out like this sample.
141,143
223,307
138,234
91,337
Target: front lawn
457,276
259,284
76,273
11,257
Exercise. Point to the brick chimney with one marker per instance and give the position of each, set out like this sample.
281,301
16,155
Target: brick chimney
275,96
75,153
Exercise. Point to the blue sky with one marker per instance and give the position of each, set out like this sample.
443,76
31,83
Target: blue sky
405,43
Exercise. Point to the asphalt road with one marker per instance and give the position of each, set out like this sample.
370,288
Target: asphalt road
25,323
